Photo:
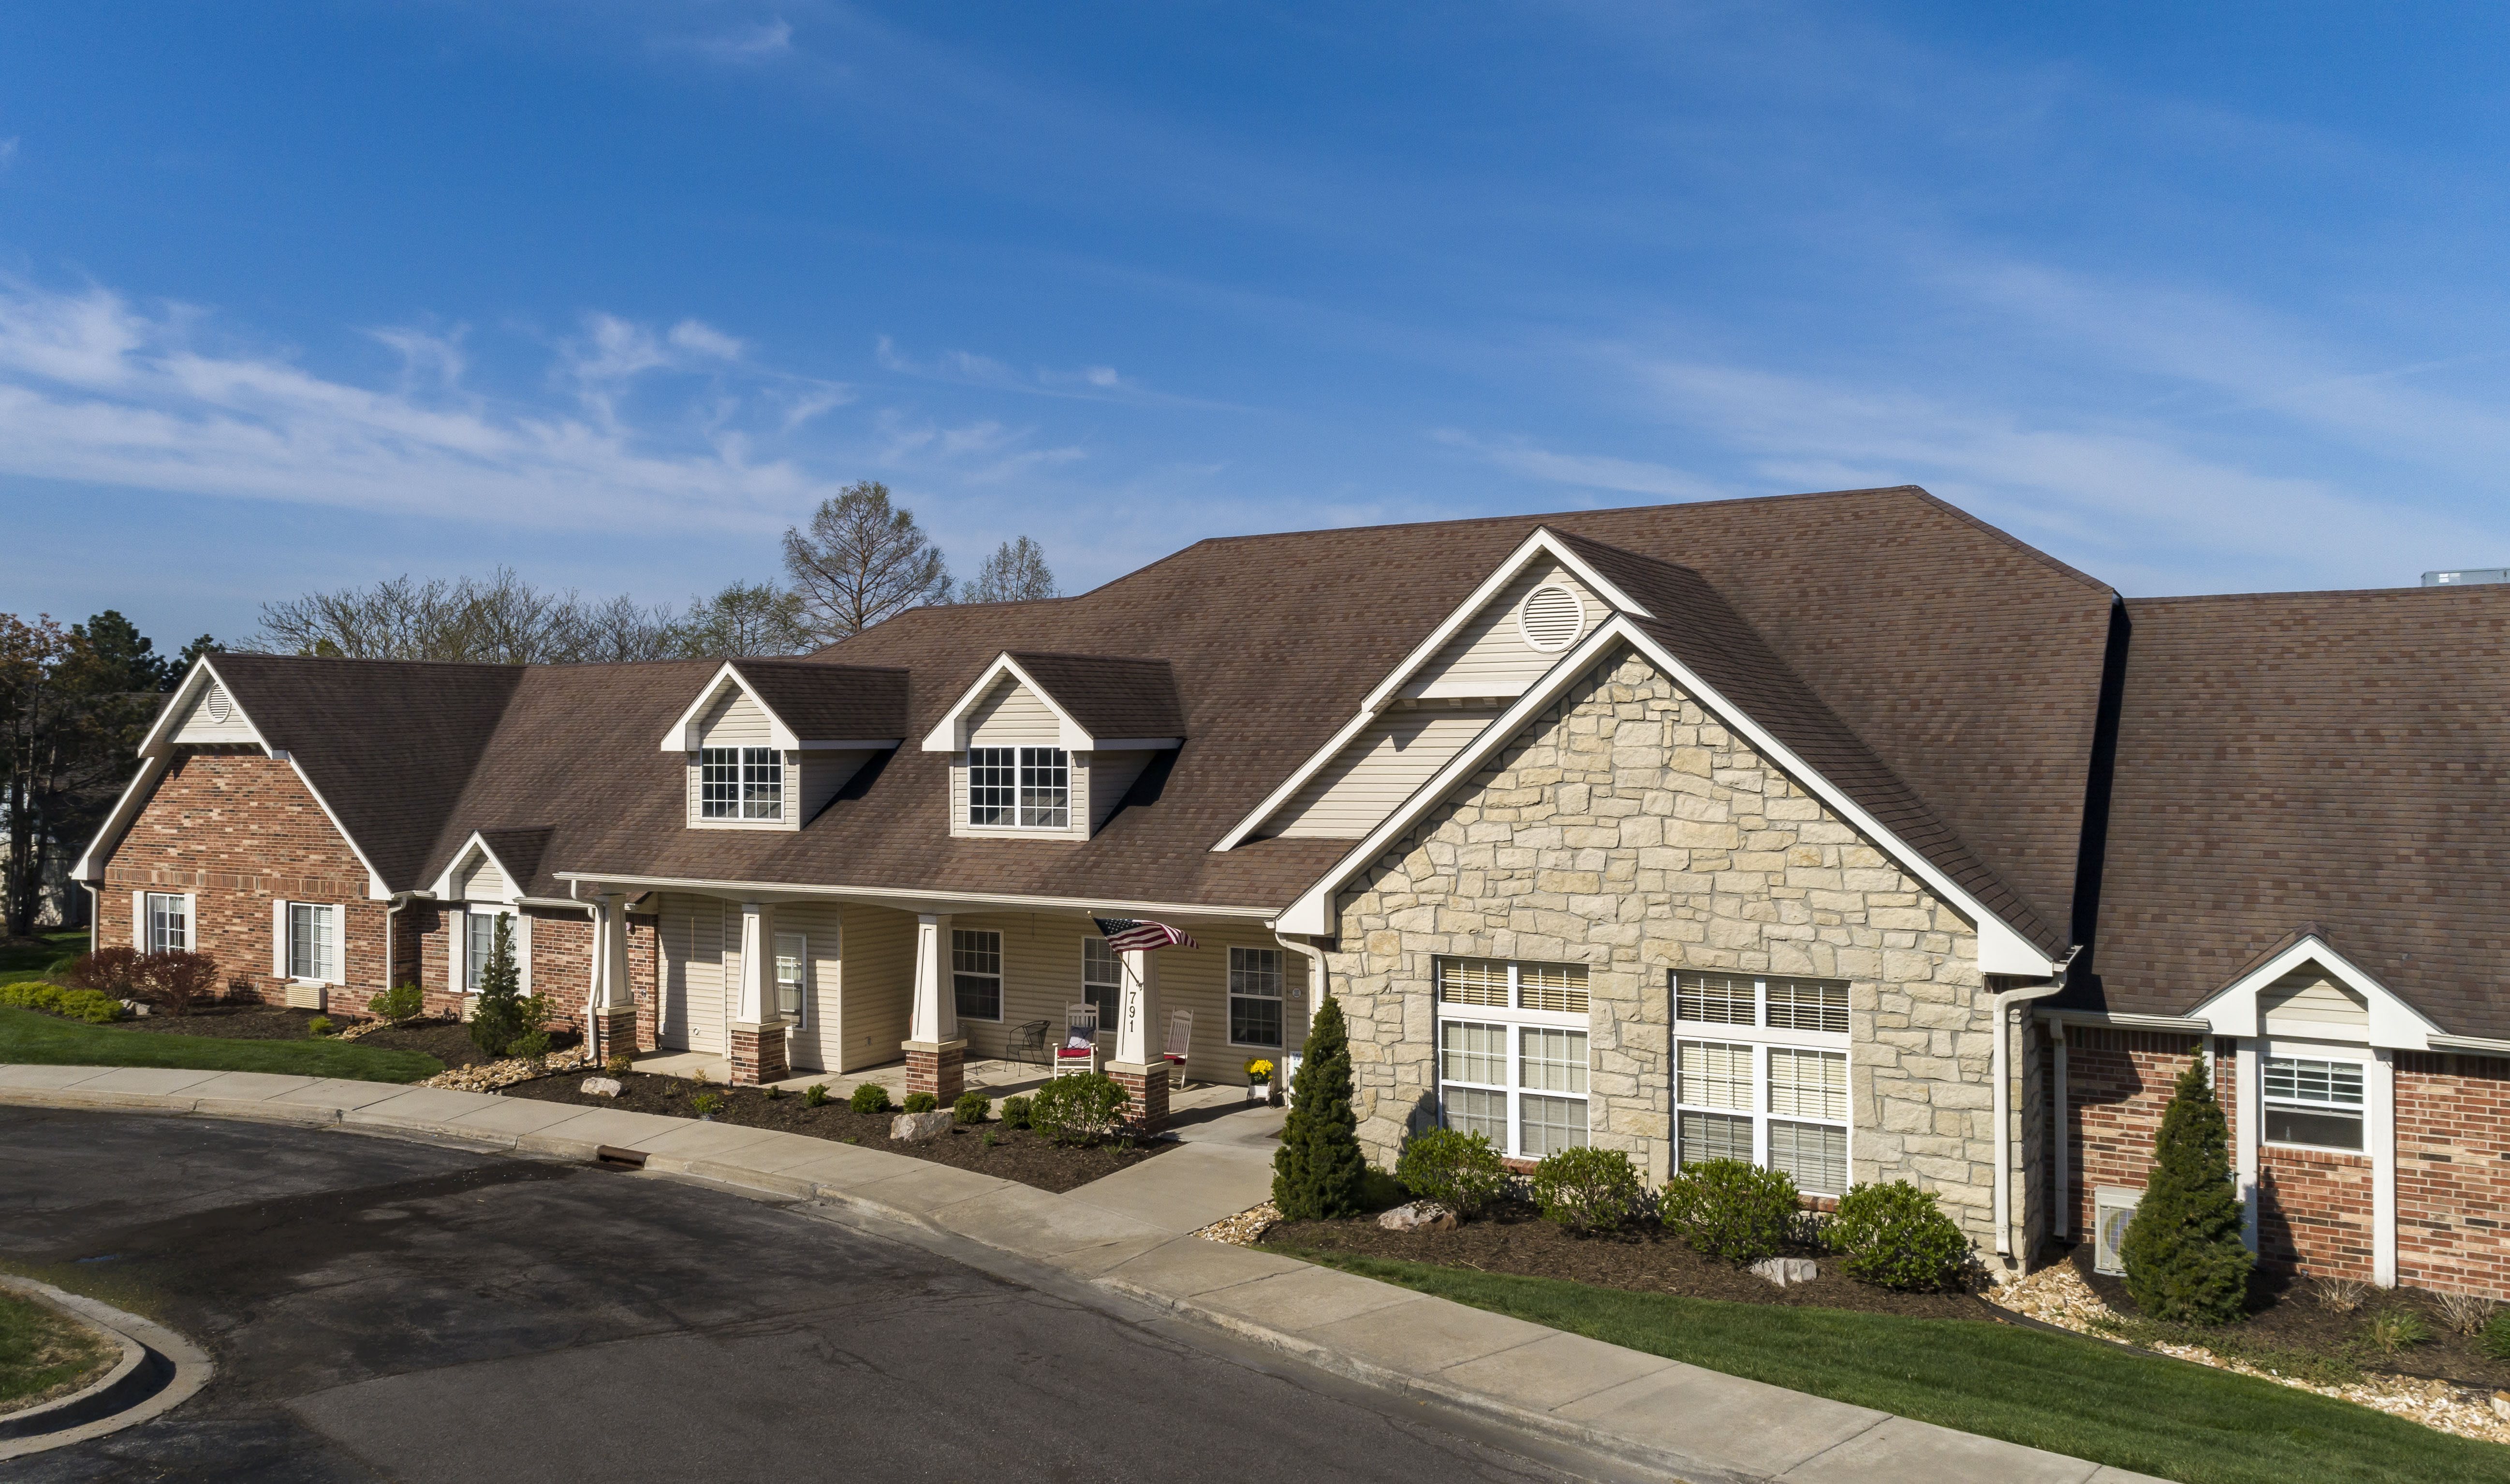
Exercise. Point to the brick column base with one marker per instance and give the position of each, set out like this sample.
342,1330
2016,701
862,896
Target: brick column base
616,1032
1147,1088
758,1055
937,1067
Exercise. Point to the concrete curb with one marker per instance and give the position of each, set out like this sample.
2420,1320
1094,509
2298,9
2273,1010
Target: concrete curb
1649,1412
159,1371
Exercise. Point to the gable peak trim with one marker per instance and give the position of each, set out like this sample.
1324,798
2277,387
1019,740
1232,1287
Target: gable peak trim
2232,1009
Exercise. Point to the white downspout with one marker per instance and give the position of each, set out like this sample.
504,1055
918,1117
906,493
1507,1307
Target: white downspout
391,909
1317,985
2003,1099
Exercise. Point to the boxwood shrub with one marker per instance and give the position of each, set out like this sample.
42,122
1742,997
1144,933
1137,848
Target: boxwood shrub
1588,1189
1730,1209
1082,1108
1461,1171
87,1005
870,1098
1894,1236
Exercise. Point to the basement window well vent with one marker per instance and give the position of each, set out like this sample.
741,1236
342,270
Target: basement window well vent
1551,618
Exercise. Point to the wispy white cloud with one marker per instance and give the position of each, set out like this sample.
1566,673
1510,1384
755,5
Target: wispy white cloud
1088,383
748,44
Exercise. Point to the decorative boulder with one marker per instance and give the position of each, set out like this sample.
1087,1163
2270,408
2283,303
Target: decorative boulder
1783,1271
916,1128
604,1087
1419,1216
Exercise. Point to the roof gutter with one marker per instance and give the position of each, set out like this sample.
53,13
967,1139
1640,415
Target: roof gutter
2002,1005
904,900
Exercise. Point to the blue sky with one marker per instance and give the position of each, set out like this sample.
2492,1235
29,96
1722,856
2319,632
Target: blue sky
291,296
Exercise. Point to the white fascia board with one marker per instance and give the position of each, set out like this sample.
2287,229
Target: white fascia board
2002,949
2233,1010
951,733
684,734
444,886
161,734
152,767
917,899
1541,542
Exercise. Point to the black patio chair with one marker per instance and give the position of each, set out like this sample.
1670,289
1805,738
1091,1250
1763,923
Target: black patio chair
1027,1042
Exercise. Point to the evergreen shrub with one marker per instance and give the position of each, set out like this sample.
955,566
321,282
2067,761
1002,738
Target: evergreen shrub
317,1027
1461,1171
815,1096
870,1098
70,1004
497,1019
971,1109
1893,1236
921,1103
1732,1209
2184,1260
1318,1172
1588,1189
1081,1107
402,1002
1015,1113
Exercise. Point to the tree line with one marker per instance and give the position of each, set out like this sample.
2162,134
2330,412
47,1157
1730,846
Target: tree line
75,701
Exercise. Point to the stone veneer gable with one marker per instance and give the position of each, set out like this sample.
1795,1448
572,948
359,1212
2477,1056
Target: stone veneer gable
1631,831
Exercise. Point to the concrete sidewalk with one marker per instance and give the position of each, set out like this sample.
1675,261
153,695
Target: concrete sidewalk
1126,1233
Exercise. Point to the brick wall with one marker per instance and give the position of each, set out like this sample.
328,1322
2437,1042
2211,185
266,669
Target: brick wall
2118,1082
561,964
2314,1213
240,831
2453,1172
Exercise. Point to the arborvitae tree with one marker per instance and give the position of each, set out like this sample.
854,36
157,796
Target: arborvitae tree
1318,1171
2184,1256
497,1020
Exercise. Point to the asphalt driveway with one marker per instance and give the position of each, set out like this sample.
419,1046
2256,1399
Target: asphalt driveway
387,1309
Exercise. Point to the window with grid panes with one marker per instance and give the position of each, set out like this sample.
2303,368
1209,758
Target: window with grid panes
719,783
762,783
991,784
1255,996
1514,1052
1045,788
1102,978
170,923
1762,1075
312,943
792,974
976,973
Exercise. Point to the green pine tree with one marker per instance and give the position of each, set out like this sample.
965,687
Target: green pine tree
1318,1171
2184,1256
497,1020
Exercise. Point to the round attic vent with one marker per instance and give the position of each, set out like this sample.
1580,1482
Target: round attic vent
216,703
1551,618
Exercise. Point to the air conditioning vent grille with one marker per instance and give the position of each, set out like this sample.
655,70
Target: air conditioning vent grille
1551,618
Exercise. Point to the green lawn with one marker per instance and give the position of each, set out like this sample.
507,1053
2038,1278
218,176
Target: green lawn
30,1036
29,958
42,1351
2060,1392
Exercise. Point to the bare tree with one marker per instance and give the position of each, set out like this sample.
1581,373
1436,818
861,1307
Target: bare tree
862,561
743,619
497,620
1016,573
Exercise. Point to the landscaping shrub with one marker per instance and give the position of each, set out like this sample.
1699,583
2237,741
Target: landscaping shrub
870,1098
2184,1256
1082,1108
172,983
816,1095
108,972
2495,1338
2392,1330
70,1004
402,1002
532,1046
1318,1171
1588,1189
705,1104
921,1103
1015,1113
1894,1236
619,1064
317,1027
971,1109
497,1019
2467,1313
1730,1209
1461,1171
771,1093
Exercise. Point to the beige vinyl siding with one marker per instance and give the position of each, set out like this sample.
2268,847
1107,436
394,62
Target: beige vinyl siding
878,992
1111,778
483,882
199,726
1383,766
1013,716
814,1043
2306,1001
1489,657
734,720
692,975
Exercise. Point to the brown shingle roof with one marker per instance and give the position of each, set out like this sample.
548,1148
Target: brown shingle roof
1112,698
2335,759
830,702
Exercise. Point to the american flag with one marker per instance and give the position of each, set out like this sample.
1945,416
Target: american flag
1131,934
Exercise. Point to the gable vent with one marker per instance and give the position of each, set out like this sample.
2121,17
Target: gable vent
216,703
1551,618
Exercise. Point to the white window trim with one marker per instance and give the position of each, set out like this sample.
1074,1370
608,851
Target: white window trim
801,1017
1229,996
459,954
1075,792
283,962
141,935
1001,976
1515,1020
1114,986
1763,1038
2290,1051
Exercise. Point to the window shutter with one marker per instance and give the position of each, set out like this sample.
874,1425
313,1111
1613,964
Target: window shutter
523,951
278,939
191,922
457,939
139,920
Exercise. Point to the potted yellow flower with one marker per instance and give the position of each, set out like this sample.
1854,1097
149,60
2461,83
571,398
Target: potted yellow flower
1259,1081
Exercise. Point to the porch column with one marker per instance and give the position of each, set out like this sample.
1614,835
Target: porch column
757,1030
610,1027
1138,1064
936,1054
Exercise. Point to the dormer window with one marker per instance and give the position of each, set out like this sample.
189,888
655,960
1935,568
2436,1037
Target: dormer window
1019,787
740,784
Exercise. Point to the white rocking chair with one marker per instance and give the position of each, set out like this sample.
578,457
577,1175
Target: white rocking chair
1180,1045
1078,1051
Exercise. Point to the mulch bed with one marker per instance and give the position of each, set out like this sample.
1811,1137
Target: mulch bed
1646,1259
1015,1153
449,1042
2285,1314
